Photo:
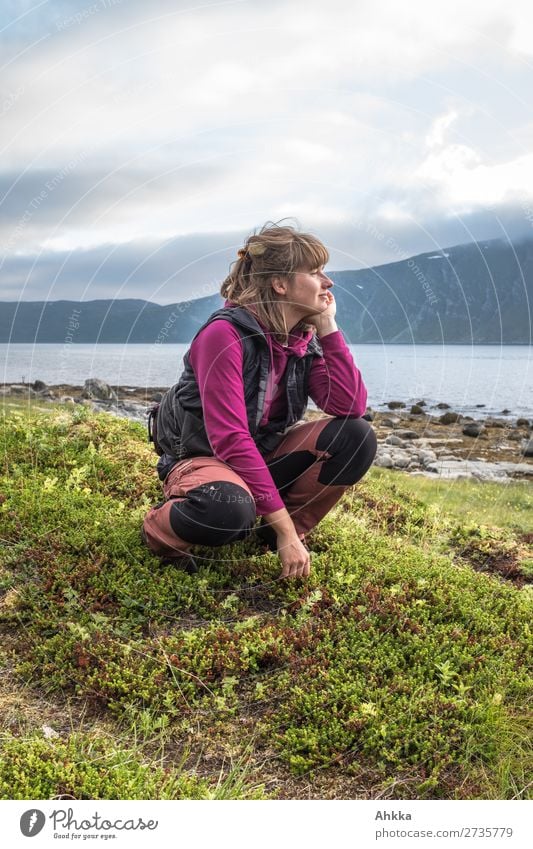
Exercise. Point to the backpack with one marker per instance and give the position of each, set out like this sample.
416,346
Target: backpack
152,427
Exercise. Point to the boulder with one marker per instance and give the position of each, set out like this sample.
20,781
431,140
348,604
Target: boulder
97,390
522,422
395,405
527,448
39,386
384,460
394,440
442,406
416,409
473,429
389,421
408,434
449,418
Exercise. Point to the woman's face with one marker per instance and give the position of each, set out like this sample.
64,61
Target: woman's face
306,291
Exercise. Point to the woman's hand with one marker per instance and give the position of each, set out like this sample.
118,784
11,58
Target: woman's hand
324,321
294,556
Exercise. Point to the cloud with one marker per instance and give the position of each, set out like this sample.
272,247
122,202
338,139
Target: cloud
190,123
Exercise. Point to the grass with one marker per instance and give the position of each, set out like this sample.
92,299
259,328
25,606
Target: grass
399,669
508,505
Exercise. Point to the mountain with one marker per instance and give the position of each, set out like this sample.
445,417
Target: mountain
478,293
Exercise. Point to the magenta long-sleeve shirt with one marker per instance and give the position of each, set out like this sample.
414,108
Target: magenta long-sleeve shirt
216,357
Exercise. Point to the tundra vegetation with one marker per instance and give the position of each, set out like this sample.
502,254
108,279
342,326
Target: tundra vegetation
399,669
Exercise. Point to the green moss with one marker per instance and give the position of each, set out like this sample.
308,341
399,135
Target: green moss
396,657
86,767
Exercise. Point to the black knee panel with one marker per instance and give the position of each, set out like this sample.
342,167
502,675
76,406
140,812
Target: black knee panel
352,444
214,513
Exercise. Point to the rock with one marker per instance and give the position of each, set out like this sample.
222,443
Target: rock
515,436
480,405
67,399
442,406
408,434
401,461
39,386
491,422
473,429
369,416
394,440
505,412
49,733
416,409
395,405
389,421
157,396
449,418
384,460
420,404
527,448
522,422
98,390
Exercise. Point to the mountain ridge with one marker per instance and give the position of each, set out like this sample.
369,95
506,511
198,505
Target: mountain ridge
472,293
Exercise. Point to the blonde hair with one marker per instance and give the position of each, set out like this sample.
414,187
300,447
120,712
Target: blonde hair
274,251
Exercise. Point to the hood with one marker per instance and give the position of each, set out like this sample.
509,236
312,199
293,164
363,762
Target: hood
298,341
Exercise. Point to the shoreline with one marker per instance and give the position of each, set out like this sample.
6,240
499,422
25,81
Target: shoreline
441,443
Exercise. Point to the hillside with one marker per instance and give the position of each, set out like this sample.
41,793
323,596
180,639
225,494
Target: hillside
400,669
478,293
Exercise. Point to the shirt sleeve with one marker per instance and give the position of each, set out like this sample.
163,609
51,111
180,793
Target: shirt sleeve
216,358
335,383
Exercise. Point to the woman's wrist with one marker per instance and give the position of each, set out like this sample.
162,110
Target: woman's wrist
326,327
281,522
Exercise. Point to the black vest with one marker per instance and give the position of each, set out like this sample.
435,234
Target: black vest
180,426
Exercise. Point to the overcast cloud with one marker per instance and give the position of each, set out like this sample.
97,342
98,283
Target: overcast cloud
141,143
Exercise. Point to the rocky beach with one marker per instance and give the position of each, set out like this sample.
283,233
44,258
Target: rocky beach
416,439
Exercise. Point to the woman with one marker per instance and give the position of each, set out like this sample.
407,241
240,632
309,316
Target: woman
230,433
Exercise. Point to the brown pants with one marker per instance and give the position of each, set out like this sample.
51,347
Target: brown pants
208,503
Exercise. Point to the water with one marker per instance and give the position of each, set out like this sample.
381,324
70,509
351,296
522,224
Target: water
461,375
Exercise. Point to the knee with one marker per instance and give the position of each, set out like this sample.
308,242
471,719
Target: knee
214,513
352,438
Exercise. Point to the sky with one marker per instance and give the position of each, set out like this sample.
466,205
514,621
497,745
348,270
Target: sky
141,143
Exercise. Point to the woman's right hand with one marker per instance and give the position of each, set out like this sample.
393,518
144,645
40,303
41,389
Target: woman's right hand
294,556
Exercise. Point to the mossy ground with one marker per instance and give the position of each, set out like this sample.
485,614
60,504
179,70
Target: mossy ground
399,669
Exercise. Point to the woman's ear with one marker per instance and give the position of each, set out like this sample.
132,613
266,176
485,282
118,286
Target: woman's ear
279,284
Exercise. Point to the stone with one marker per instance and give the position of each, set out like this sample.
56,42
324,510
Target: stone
449,418
98,390
492,422
473,429
408,434
420,404
369,416
157,396
416,409
442,406
389,421
384,460
505,412
527,448
401,461
522,422
39,386
394,440
395,405
67,399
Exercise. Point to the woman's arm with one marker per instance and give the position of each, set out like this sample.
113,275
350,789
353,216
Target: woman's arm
217,361
335,383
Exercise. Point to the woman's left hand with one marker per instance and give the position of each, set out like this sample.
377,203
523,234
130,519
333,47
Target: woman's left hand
326,315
